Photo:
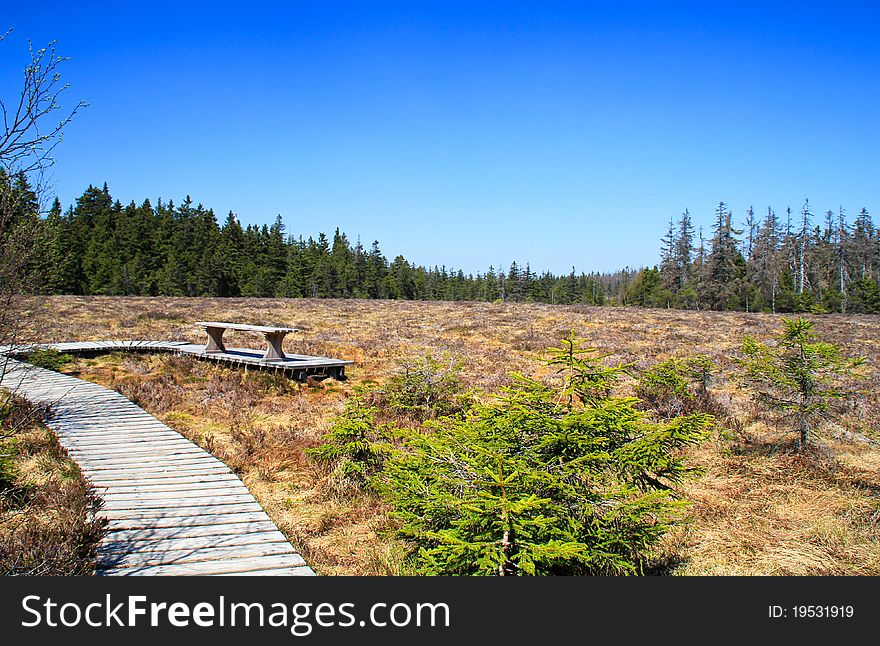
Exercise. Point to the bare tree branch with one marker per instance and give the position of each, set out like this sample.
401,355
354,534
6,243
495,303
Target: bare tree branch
26,144
30,132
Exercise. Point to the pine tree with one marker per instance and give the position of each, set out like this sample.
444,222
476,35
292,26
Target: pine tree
95,209
764,265
806,215
356,446
228,257
376,272
401,284
51,246
540,483
512,284
492,291
798,377
668,258
725,266
359,270
684,249
751,227
864,245
841,245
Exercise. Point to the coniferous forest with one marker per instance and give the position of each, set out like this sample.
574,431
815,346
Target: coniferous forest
793,261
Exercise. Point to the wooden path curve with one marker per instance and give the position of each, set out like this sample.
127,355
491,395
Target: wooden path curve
297,366
172,507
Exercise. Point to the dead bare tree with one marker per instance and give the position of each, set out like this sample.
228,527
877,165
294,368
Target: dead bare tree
28,136
31,131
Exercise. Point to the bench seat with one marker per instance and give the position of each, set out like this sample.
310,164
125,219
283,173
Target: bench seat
274,336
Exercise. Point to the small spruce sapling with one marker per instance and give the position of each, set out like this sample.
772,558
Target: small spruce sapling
356,446
542,480
676,386
427,387
799,376
587,377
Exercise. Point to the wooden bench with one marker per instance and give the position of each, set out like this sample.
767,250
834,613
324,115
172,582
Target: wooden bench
274,336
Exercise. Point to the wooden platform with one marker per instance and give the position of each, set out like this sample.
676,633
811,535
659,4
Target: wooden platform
295,366
172,507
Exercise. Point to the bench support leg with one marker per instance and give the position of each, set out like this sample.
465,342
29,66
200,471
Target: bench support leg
273,342
215,339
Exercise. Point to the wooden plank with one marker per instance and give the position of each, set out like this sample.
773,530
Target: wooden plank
140,454
119,449
151,475
171,489
107,479
171,507
192,531
144,429
136,443
135,453
143,452
202,542
191,521
178,483
96,446
174,488
97,416
195,555
195,512
117,439
227,566
144,434
136,464
183,496
156,470
77,422
245,327
287,571
203,503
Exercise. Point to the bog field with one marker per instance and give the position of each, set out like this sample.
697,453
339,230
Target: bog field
756,506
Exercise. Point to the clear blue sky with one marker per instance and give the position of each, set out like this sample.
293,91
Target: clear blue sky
469,134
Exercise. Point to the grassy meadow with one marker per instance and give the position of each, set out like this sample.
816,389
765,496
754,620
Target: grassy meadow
758,506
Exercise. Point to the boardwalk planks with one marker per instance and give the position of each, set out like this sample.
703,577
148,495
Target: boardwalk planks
297,366
172,507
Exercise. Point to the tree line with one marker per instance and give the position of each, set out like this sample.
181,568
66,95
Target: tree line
99,246
788,263
774,264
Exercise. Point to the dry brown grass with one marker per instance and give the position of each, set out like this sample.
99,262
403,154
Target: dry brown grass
47,522
759,507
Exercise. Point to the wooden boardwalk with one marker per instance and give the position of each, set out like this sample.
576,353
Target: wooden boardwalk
172,508
297,366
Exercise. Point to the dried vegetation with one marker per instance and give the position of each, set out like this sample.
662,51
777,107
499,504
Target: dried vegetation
47,512
759,507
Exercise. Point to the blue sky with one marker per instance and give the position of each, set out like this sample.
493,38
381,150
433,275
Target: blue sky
469,134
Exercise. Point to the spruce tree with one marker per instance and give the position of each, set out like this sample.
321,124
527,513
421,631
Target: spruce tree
668,264
541,481
725,266
798,377
684,249
764,265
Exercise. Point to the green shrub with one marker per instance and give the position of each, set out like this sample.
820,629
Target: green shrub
49,358
356,446
797,378
545,480
427,387
676,386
